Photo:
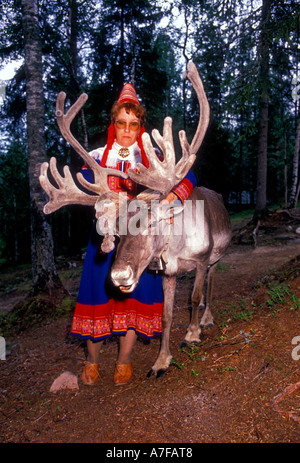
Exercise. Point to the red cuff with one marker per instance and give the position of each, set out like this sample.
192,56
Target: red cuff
184,190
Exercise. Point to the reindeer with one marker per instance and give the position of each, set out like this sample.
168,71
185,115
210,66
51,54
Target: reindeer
200,248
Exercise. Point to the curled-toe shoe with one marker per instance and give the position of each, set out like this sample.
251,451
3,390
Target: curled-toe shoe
90,374
122,374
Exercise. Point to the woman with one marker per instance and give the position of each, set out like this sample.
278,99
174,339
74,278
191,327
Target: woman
101,310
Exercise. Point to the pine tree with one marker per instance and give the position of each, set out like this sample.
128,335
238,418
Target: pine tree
264,58
45,277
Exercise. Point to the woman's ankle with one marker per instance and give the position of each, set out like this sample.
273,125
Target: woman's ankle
93,351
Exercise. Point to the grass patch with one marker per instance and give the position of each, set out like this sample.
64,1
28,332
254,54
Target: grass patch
280,295
241,217
223,267
15,278
32,312
65,308
238,311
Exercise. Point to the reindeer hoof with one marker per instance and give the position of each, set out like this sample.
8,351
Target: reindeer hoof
209,325
185,343
160,373
150,373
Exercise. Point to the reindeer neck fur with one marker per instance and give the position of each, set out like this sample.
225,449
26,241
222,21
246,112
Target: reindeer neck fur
203,238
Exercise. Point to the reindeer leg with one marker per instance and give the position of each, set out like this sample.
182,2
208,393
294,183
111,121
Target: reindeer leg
207,319
193,332
202,302
164,358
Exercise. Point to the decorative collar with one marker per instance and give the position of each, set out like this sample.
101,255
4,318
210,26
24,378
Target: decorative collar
127,154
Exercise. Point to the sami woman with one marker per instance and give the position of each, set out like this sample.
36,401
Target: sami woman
101,311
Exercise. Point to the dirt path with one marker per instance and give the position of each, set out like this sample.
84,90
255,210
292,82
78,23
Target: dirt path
224,391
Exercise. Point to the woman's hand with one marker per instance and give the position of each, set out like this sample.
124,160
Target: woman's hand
169,199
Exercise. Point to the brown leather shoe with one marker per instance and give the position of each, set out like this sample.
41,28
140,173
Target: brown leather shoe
123,373
90,374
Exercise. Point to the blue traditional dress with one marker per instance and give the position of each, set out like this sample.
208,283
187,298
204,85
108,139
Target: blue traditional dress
101,309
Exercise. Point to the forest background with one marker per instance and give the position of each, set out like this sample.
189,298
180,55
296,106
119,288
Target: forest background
247,54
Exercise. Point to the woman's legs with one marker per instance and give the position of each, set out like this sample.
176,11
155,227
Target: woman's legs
90,374
127,343
123,371
94,351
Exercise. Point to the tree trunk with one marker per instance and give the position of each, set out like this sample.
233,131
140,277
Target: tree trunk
295,177
285,171
297,195
186,63
76,215
72,34
132,49
44,274
263,54
122,52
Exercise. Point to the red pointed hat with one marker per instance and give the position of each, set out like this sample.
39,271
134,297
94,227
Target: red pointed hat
128,94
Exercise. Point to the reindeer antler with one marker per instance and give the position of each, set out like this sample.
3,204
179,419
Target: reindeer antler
163,176
67,191
193,75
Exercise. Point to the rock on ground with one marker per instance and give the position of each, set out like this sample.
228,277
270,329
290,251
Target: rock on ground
66,380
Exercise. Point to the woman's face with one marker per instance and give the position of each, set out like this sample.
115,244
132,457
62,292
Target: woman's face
127,128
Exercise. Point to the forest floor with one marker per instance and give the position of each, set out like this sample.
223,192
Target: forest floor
241,385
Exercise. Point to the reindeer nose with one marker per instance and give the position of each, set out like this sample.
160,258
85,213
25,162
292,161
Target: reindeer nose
122,275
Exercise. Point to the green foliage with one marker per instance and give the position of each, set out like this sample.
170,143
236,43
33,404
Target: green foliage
177,364
14,205
11,40
238,311
280,295
27,313
65,308
193,355
32,312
